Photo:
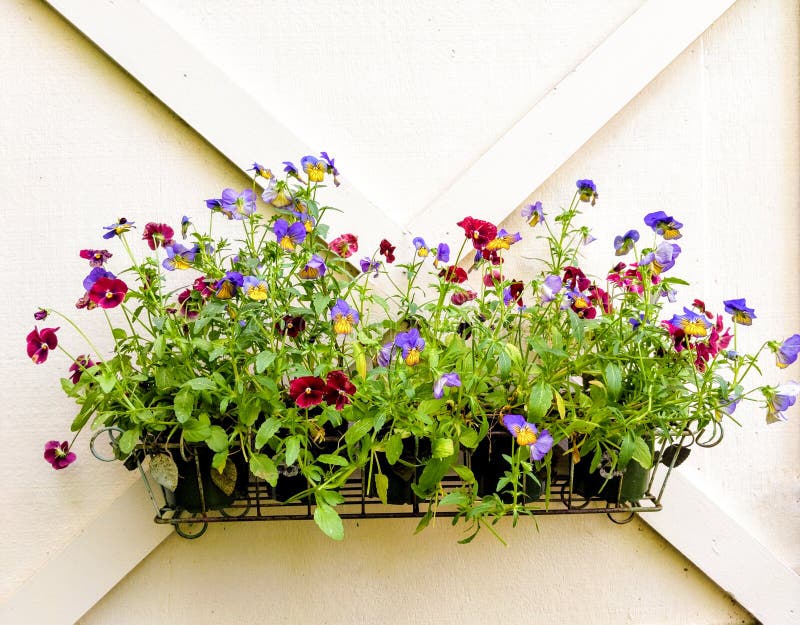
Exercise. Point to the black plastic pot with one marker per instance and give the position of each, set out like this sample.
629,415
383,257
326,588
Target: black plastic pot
402,473
488,466
196,471
628,487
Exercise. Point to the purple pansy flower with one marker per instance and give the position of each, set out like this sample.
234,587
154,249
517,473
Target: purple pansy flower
503,241
421,247
214,203
664,224
179,257
94,275
663,258
331,167
58,454
624,243
225,287
412,345
533,213
587,191
262,171
315,168
40,315
739,311
290,169
527,434
255,288
448,379
289,236
238,205
385,354
779,399
114,230
96,258
550,288
344,317
185,225
442,254
367,265
787,353
314,268
691,323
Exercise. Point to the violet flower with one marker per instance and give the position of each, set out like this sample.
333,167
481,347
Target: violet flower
344,317
58,454
412,345
787,353
527,434
448,379
739,311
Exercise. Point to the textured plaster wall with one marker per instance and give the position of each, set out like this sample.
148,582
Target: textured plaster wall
405,96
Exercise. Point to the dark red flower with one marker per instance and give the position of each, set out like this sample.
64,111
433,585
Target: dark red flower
290,325
58,454
514,293
478,231
203,286
40,315
700,306
189,307
79,366
108,292
40,344
338,390
453,274
157,235
462,297
387,250
345,245
599,297
679,339
575,279
307,391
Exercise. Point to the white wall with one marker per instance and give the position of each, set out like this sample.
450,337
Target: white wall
405,98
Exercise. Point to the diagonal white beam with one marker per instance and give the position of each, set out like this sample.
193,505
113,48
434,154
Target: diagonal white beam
178,74
569,115
105,551
727,553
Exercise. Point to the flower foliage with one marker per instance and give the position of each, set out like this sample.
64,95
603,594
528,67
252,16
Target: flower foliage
267,344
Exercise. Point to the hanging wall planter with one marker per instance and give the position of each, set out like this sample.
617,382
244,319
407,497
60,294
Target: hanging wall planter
263,373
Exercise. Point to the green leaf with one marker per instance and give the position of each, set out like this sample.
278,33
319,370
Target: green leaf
329,521
333,459
469,438
158,350
540,399
183,404
321,302
381,486
195,432
465,473
164,471
442,448
292,450
330,497
128,440
360,359
219,460
107,381
613,377
201,384
118,334
626,450
261,465
642,453
456,498
394,447
218,439
358,430
225,480
432,475
264,360
249,411
267,430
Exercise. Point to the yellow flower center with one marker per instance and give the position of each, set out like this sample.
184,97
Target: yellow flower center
258,292
525,435
694,328
742,318
309,273
281,200
670,233
316,173
181,263
286,243
412,358
343,324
